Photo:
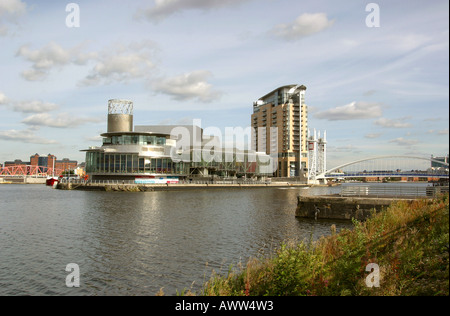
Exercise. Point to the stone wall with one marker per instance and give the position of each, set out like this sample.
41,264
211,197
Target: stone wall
336,207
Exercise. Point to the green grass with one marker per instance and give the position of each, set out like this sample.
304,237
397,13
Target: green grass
409,242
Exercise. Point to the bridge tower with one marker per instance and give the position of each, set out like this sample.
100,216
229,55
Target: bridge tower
322,153
317,155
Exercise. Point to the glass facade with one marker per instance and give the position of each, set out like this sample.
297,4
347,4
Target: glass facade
121,163
130,164
135,140
239,163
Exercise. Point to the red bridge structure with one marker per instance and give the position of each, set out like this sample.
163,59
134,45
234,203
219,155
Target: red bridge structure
29,170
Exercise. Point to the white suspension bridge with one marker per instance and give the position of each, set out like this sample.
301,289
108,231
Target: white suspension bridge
387,166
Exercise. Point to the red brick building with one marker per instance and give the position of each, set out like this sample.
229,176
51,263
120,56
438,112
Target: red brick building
51,161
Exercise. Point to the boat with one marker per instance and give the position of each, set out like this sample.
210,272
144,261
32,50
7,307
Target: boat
52,181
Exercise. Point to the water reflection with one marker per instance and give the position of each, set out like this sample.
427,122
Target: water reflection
136,243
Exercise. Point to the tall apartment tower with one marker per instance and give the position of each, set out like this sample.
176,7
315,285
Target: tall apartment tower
280,125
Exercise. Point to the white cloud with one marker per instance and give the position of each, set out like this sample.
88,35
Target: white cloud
121,64
34,106
373,135
165,8
25,136
12,7
399,123
3,99
351,111
305,25
44,60
61,120
344,149
188,86
404,142
10,11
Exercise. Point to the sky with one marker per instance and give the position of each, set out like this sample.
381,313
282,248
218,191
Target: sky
377,73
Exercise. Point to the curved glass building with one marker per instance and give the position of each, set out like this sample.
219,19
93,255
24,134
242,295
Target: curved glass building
152,155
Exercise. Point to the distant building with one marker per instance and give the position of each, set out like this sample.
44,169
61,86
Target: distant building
16,162
66,164
45,163
34,160
435,164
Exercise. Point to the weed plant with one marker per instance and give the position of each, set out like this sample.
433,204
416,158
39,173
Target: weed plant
409,243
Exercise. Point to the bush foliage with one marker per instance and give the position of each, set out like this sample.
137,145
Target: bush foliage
409,243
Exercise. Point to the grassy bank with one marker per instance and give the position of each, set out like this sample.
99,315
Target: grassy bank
409,243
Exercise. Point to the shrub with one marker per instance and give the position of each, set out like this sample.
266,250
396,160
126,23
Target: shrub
409,242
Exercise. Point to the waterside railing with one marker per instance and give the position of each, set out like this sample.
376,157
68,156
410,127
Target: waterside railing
393,191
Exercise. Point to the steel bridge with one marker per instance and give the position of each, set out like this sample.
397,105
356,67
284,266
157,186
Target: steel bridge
29,170
395,166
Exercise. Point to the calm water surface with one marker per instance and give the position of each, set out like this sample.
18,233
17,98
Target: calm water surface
137,243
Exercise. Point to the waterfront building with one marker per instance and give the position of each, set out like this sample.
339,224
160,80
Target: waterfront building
16,162
66,164
435,164
155,154
281,117
50,162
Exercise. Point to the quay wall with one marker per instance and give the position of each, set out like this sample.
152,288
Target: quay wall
22,180
166,187
346,208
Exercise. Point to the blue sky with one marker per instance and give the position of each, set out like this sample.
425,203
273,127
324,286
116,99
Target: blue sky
375,90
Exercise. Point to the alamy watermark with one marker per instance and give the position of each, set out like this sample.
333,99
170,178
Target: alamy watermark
373,18
236,145
73,18
373,279
73,278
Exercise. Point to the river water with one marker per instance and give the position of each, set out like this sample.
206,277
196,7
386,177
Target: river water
137,243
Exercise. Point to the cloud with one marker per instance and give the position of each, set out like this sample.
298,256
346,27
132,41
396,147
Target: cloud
404,142
369,93
433,119
44,60
384,122
165,8
119,63
351,111
305,25
34,106
10,11
61,120
373,135
443,132
3,99
12,7
122,63
188,86
25,136
344,149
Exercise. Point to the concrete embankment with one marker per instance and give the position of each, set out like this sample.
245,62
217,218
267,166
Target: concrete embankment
167,187
338,207
22,180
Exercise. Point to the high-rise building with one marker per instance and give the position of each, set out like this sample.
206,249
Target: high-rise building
280,124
